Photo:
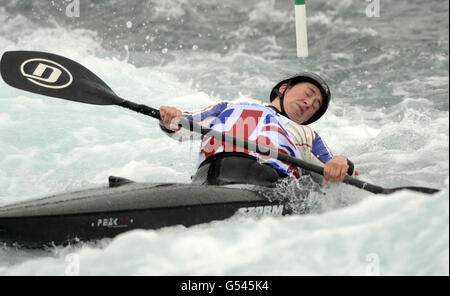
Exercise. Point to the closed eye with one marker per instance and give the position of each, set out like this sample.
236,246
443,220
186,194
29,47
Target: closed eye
316,105
311,91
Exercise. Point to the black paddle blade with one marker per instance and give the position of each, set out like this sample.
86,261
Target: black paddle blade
56,76
380,190
412,188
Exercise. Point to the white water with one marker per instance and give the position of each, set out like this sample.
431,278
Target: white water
394,128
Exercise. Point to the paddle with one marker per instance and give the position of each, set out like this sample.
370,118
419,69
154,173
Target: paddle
56,76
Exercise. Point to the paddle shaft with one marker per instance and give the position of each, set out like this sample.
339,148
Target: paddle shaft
264,150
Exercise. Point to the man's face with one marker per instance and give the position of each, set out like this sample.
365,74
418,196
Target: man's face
301,101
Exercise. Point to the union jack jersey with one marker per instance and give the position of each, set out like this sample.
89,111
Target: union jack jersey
260,125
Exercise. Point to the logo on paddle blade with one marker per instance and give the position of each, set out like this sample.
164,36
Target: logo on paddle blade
46,73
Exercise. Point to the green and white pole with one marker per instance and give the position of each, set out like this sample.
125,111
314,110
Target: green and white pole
300,28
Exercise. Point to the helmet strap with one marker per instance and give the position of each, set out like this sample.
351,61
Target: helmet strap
281,96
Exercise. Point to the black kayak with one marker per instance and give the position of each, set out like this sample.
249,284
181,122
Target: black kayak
122,206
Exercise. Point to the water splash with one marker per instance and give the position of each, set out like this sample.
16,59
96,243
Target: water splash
300,196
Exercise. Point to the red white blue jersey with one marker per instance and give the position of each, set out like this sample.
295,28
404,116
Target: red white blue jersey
261,125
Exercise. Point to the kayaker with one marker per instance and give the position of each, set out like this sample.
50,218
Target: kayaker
295,103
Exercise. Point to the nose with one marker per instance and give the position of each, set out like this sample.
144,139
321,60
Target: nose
307,102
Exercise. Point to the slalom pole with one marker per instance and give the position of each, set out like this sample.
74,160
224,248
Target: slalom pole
300,28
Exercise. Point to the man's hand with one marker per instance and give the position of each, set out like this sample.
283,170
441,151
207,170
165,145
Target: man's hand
170,117
335,169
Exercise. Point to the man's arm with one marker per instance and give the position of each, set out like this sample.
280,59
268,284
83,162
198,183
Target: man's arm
170,117
314,150
335,167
